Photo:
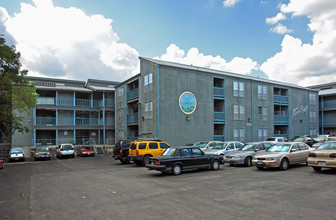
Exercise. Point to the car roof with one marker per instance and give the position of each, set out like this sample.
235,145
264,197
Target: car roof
179,147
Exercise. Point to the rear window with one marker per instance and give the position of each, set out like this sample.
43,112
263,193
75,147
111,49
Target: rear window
153,146
16,151
302,146
142,146
133,146
164,146
270,139
67,147
327,146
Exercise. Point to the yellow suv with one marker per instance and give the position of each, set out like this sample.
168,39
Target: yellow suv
141,151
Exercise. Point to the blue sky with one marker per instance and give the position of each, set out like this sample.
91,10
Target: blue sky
229,35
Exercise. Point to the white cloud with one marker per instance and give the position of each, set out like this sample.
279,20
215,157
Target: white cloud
281,29
194,57
276,19
310,63
65,42
230,3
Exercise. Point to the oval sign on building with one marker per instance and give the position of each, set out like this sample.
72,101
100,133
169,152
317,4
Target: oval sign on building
187,102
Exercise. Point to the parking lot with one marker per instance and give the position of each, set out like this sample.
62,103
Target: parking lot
102,188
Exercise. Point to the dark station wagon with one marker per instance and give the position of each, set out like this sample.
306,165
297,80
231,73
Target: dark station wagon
176,159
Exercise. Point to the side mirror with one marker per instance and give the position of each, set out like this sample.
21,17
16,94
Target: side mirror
257,150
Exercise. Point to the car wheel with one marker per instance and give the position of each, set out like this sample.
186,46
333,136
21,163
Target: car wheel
248,161
73,156
146,159
260,168
317,169
177,169
139,163
215,165
123,160
284,164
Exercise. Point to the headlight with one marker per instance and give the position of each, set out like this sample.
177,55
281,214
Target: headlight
272,158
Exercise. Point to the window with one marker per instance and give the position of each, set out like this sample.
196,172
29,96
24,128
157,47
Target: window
312,116
312,132
262,134
196,151
120,92
263,113
303,146
186,152
149,110
295,147
148,82
153,146
142,146
262,92
239,134
238,89
238,112
230,147
260,147
164,146
312,98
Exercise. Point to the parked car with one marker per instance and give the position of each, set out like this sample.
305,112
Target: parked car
326,139
206,145
16,154
323,157
123,153
65,150
117,147
321,137
275,140
141,151
305,139
176,159
85,151
222,148
2,165
282,155
244,156
42,152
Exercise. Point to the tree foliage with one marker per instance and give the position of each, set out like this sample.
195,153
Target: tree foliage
17,95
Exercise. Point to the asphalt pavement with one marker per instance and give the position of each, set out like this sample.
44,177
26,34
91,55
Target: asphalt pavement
102,188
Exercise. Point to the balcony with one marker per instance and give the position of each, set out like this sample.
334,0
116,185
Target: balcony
65,121
45,142
281,119
280,99
329,122
219,138
110,103
45,101
219,117
132,94
86,121
65,101
328,105
46,121
132,118
219,92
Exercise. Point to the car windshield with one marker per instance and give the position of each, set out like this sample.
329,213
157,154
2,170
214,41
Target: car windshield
16,151
270,139
169,152
202,144
220,146
320,138
279,148
67,147
327,146
42,148
249,147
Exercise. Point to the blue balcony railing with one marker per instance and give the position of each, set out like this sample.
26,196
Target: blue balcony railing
132,94
65,121
281,99
65,101
83,102
86,121
219,116
329,121
219,92
328,105
47,121
132,118
281,135
281,119
109,103
219,138
45,142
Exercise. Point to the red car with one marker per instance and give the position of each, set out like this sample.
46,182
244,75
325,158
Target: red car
85,151
2,164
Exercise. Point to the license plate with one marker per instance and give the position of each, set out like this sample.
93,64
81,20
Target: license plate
259,162
321,163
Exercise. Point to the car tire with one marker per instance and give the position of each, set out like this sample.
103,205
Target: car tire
146,158
73,156
138,163
284,164
260,168
215,165
123,160
177,169
248,161
317,169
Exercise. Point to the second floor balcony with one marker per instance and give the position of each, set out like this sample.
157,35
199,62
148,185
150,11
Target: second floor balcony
132,118
281,119
219,92
219,116
280,99
132,94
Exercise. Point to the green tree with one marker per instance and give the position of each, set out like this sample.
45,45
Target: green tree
17,95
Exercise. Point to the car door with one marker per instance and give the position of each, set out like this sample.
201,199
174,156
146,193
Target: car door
201,159
187,158
230,147
304,152
294,154
154,149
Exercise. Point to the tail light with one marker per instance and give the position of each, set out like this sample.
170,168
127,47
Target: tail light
332,155
120,152
311,155
137,152
157,163
9,155
73,148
